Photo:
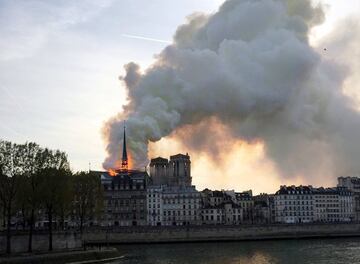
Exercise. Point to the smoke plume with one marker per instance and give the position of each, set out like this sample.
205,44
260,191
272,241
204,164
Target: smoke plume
248,68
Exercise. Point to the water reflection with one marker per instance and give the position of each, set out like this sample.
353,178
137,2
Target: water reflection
319,251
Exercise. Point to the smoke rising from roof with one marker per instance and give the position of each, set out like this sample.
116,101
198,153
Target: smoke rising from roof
248,68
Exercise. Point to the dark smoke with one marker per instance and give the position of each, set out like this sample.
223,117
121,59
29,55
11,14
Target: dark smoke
250,67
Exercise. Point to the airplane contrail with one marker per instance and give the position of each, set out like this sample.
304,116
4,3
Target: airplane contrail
146,38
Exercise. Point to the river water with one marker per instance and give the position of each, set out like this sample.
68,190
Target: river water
319,251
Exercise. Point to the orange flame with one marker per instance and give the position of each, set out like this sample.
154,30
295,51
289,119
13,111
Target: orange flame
117,168
112,172
130,163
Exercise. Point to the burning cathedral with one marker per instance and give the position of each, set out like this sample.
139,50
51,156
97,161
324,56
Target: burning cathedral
129,194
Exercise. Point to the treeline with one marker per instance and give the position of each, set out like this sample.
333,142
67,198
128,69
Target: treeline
36,183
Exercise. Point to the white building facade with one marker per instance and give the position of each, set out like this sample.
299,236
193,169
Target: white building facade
181,206
294,204
173,205
333,204
304,204
154,205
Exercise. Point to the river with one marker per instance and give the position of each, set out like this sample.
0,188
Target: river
305,251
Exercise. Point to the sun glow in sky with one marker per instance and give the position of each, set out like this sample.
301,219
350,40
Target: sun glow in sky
59,69
335,11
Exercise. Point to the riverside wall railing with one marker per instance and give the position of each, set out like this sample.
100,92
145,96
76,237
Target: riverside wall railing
99,236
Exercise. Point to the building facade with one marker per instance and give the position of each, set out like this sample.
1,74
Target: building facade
352,184
264,209
333,204
171,199
294,204
220,208
155,206
173,205
246,201
181,205
125,198
304,204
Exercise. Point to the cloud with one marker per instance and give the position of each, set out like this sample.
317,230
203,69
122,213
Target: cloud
341,46
25,26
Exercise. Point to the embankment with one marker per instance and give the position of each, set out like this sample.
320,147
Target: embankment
219,233
61,241
125,235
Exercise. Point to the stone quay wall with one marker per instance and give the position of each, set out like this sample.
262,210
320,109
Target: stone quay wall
40,242
161,234
218,233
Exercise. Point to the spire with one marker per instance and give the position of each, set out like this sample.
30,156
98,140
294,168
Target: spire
124,156
124,161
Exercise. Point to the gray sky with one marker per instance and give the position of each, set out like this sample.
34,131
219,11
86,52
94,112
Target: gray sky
60,62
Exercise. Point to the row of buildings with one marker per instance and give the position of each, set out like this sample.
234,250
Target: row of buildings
166,197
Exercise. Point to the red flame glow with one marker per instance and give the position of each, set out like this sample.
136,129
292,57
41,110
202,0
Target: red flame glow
120,168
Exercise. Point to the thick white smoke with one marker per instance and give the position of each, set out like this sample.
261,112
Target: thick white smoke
250,67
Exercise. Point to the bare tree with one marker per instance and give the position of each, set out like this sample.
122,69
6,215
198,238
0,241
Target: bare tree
33,161
87,197
54,195
54,182
9,186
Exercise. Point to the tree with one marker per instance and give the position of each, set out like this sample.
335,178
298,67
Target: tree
54,181
10,175
22,159
32,158
8,190
36,161
3,214
54,194
87,197
21,200
65,195
29,196
29,162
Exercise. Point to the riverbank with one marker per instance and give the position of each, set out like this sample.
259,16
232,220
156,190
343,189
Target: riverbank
131,235
62,241
69,257
67,241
